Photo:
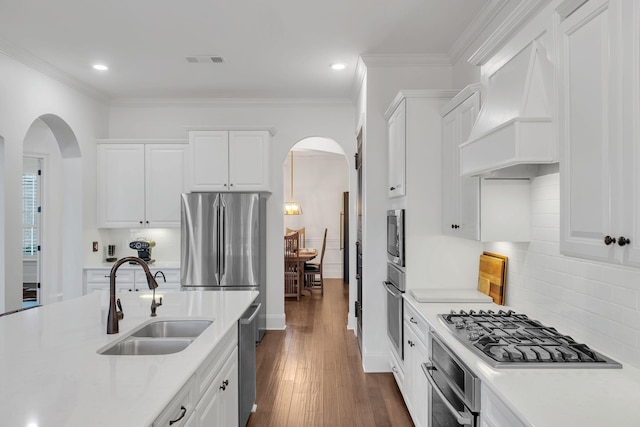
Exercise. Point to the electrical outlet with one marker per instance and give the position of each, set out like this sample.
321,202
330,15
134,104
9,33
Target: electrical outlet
95,246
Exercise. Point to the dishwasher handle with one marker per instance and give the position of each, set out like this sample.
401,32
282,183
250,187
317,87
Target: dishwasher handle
256,310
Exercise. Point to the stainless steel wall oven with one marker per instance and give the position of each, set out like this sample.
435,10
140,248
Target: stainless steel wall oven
395,307
454,390
395,236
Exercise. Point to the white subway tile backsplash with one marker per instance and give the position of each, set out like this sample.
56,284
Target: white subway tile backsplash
597,303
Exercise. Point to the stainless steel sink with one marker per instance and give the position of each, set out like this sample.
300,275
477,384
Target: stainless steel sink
173,329
147,347
159,337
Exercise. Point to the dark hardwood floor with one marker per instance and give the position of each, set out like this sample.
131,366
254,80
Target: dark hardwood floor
311,373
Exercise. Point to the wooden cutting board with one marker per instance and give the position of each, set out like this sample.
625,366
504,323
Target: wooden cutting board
492,276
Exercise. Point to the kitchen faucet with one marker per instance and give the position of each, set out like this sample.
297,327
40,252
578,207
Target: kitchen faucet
154,304
117,314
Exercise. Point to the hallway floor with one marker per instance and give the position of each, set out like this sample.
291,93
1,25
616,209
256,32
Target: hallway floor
311,373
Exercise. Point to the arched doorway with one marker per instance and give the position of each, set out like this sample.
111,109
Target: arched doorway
320,181
53,143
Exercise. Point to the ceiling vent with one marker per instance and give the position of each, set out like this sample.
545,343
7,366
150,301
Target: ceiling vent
205,59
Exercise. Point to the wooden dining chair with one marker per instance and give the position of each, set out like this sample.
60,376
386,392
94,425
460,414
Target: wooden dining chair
301,236
292,274
313,277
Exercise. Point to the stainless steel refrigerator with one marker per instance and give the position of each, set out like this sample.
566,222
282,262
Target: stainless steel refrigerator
223,245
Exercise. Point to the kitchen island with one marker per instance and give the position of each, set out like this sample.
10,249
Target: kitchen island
52,374
540,397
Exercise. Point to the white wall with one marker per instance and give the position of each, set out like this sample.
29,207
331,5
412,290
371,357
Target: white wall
382,85
292,121
319,181
26,95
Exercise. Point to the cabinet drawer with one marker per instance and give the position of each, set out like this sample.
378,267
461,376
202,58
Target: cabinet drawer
417,322
212,365
102,276
172,275
397,368
180,409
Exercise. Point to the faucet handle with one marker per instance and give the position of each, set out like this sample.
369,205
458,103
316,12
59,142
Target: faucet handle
119,312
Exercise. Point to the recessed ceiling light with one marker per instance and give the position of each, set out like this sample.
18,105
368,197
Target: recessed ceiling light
338,66
100,67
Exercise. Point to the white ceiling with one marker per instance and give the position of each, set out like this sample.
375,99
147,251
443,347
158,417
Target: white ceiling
271,48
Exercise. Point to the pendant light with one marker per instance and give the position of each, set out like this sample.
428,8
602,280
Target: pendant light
291,207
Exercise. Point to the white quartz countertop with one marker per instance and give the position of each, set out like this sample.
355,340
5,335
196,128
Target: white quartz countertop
548,397
51,374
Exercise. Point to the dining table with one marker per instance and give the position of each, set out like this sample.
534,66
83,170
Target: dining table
304,255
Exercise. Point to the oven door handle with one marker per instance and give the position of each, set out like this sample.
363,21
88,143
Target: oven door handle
462,419
392,290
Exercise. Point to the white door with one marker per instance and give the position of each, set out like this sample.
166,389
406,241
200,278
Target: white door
121,185
248,160
586,79
31,230
208,167
164,182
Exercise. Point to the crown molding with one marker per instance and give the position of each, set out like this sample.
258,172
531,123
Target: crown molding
520,15
203,102
487,14
43,67
461,97
358,79
406,60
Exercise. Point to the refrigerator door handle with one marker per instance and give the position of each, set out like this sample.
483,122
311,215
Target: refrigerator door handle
223,240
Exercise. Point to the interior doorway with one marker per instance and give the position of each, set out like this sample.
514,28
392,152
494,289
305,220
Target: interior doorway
319,180
60,217
31,230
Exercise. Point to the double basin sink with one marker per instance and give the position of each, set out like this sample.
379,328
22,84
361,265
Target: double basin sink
159,337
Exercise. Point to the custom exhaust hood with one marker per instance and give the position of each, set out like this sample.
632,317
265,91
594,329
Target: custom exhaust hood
514,132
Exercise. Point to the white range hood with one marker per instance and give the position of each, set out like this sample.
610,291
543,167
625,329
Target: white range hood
514,127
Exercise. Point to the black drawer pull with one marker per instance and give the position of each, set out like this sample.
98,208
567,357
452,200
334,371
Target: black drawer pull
184,412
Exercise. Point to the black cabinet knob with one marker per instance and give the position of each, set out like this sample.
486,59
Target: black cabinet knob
609,240
623,241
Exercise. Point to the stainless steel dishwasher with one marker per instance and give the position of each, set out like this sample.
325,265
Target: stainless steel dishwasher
247,341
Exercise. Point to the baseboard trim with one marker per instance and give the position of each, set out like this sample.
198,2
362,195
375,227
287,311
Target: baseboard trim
276,322
375,362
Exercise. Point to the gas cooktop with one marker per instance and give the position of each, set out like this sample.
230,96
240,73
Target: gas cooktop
510,340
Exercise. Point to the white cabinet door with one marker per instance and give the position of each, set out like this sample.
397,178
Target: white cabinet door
209,161
228,160
219,404
397,151
461,195
415,389
248,160
494,411
121,195
630,135
588,132
164,182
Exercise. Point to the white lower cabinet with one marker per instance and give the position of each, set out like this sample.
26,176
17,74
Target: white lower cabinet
180,410
210,397
130,280
494,412
219,404
415,387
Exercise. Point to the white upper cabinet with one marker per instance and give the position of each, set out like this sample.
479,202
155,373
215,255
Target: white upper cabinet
397,150
228,160
598,122
139,184
460,195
